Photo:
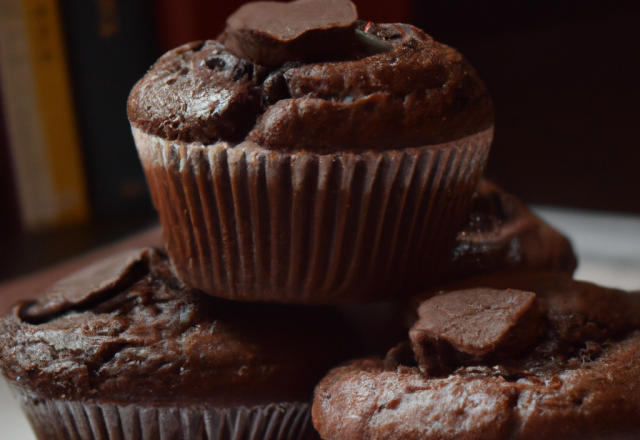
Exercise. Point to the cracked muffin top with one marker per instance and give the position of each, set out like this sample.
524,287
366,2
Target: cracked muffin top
547,358
386,86
126,330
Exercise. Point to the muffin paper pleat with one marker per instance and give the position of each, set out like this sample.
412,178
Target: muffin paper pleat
246,223
71,420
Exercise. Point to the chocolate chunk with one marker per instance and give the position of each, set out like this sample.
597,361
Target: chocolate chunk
475,323
272,33
275,88
91,283
435,356
399,356
372,44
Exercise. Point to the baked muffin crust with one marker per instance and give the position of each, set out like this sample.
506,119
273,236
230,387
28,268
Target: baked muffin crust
577,379
416,93
155,341
502,234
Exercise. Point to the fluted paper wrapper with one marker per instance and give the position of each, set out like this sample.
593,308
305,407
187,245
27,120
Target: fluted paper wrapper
72,420
246,223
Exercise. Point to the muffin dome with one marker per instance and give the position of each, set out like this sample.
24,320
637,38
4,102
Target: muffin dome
411,92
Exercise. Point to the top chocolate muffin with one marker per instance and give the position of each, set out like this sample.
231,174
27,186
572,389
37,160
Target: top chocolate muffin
305,156
380,86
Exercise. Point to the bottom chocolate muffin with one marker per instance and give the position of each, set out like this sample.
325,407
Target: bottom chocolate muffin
550,358
123,350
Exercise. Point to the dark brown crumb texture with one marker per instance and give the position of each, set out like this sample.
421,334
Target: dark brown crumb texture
155,341
502,234
557,359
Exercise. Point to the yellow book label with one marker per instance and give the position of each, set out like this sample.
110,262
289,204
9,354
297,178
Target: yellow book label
57,113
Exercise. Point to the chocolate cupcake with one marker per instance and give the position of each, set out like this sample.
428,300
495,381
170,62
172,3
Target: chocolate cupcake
123,350
557,360
501,234
309,157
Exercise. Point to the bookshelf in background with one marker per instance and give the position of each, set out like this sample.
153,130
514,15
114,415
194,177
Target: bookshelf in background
179,22
40,119
111,45
383,11
9,211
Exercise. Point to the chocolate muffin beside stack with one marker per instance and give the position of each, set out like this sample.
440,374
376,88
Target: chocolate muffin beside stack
547,358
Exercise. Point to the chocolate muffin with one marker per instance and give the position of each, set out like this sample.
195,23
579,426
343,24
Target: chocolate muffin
502,234
305,156
548,358
123,350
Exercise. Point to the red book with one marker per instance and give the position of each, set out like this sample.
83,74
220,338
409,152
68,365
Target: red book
385,11
179,22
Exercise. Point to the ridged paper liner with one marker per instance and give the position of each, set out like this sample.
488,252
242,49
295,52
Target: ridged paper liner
248,223
71,420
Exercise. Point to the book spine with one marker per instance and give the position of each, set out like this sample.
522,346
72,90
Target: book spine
111,45
41,125
176,22
9,211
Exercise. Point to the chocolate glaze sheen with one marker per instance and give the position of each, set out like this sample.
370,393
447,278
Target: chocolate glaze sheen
478,322
197,92
387,86
272,33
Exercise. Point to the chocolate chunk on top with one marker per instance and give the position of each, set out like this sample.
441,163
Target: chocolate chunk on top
476,322
272,33
91,283
613,311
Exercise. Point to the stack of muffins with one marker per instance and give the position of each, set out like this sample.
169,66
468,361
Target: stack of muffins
301,161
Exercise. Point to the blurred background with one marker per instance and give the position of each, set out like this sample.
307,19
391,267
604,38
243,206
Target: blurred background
563,75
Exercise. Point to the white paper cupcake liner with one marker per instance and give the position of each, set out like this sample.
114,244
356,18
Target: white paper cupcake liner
246,223
53,419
